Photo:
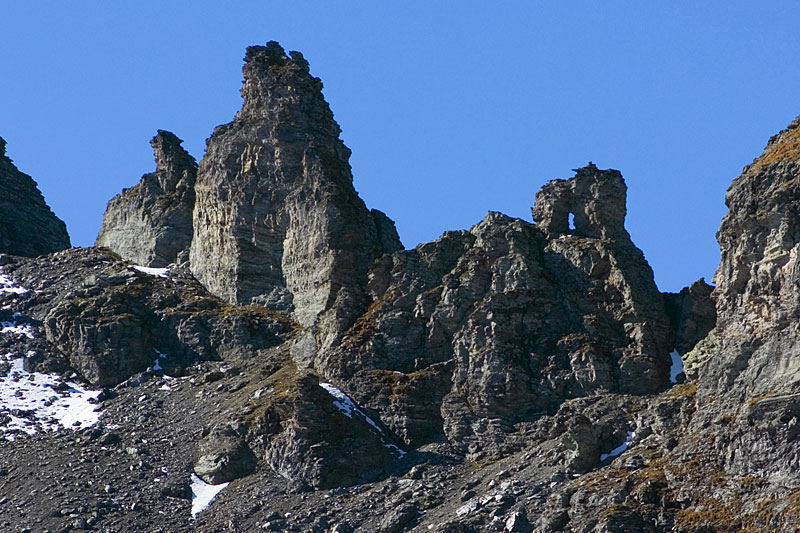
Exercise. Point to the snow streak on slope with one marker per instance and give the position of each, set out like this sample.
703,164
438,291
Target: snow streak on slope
151,271
616,452
348,407
7,286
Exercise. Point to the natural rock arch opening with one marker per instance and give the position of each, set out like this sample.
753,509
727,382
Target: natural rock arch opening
591,204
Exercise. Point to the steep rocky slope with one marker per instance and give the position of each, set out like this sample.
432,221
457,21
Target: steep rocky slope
516,376
27,225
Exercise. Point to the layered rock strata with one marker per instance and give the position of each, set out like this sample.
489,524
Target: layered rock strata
27,225
151,223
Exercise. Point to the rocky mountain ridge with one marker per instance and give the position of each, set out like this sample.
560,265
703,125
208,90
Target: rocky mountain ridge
250,324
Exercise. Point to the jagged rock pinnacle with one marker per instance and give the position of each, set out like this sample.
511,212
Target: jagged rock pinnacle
172,161
151,223
277,220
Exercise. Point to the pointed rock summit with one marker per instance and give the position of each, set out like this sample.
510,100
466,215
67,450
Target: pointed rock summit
277,221
151,223
27,225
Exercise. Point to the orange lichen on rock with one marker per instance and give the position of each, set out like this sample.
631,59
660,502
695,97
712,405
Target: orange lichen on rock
785,146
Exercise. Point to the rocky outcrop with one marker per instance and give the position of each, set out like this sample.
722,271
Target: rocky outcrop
594,199
723,447
108,320
27,225
277,220
482,330
511,377
150,224
749,364
315,437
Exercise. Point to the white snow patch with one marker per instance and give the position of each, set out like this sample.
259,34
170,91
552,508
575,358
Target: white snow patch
347,406
7,286
30,401
203,494
150,271
619,449
17,327
38,406
676,367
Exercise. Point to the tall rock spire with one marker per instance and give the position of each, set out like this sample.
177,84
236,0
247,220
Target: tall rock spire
277,220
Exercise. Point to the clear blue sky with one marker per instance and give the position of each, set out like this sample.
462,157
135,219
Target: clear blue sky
451,109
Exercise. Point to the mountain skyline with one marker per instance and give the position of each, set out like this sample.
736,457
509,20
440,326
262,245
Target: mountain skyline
448,114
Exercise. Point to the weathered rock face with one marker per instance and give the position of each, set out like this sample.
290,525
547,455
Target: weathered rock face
749,367
277,220
151,223
27,225
489,328
316,439
596,200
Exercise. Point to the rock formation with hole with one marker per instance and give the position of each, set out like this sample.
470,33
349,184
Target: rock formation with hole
483,330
